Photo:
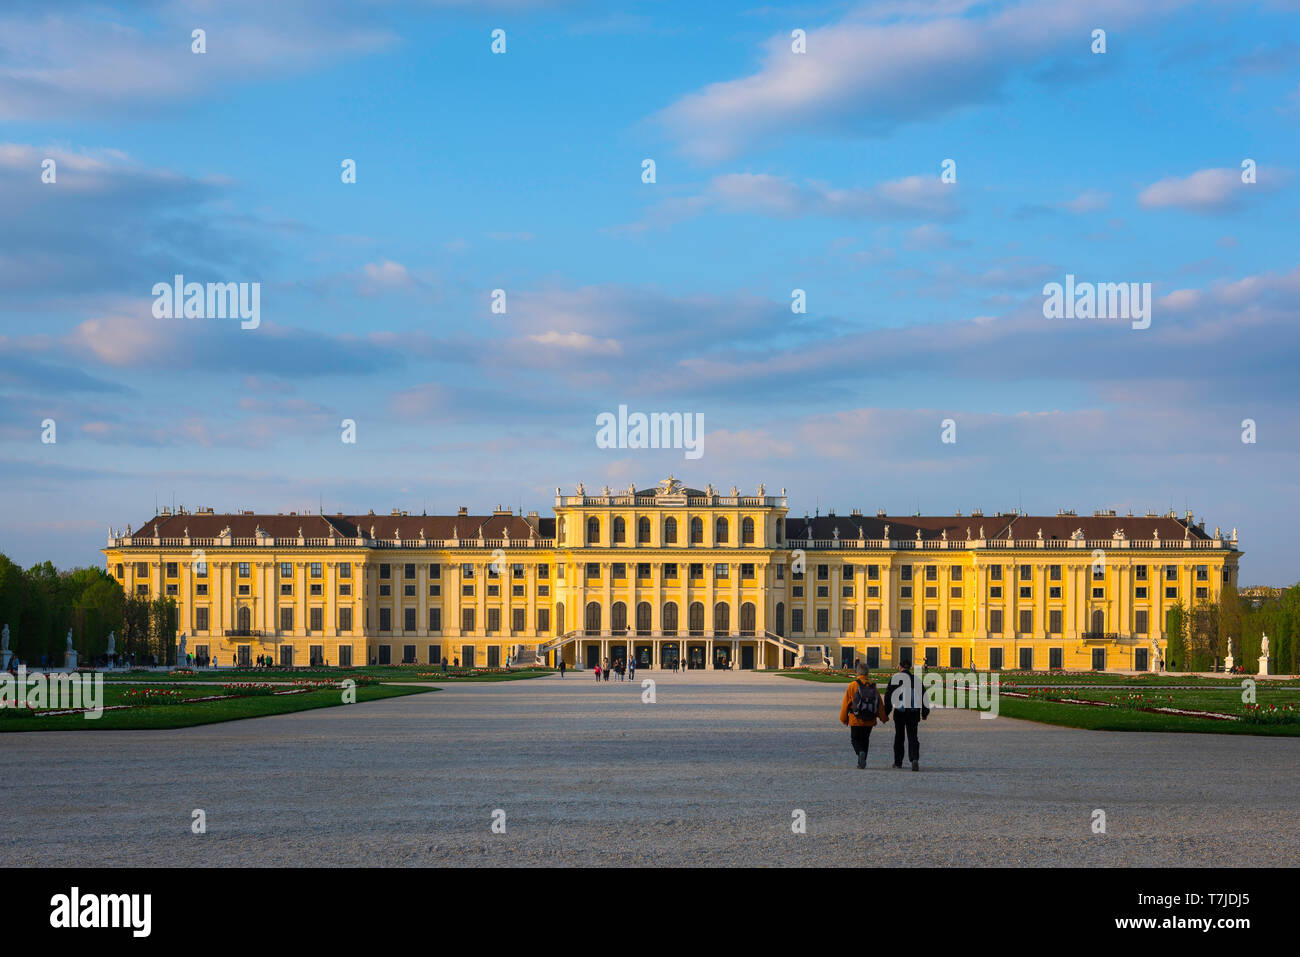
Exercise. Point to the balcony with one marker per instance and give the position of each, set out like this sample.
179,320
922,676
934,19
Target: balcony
1100,636
243,633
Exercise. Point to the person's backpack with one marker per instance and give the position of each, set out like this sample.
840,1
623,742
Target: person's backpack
866,701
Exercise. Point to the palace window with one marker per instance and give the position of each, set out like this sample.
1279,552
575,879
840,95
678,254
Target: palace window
670,531
1140,573
643,530
435,620
620,530
317,590
1026,573
721,571
747,531
995,573
1099,593
995,592
345,569
543,572
905,591
905,573
517,571
846,621
1171,573
873,591
493,620
315,569
200,619
518,619
593,531
931,592
697,531
932,573
643,570
435,570
697,571
670,571
385,619
823,573
345,589
847,571
619,571
1026,592
1054,622
1140,622
408,571
1054,591
873,573
873,620
408,591
931,620
954,593
905,620
954,621
823,620
954,573
317,618
200,589
1202,573
1026,622
285,589
1139,593
385,570
796,620
1054,572
995,621
721,532
345,619
171,570
286,619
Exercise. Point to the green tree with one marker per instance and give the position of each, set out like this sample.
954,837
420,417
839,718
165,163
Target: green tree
1176,634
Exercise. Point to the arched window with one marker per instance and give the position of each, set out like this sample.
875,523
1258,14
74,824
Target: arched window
721,531
620,530
643,530
618,618
1099,621
593,618
697,531
747,618
245,618
780,618
593,531
721,619
670,532
643,618
747,532
670,618
697,618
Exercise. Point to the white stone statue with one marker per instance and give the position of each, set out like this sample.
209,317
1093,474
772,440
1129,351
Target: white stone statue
968,533
887,533
582,489
761,490
112,644
981,533
1156,658
1156,535
1040,534
918,534
180,650
734,491
69,647
944,534
1263,646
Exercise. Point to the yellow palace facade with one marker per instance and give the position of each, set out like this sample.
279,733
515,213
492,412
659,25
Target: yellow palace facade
705,578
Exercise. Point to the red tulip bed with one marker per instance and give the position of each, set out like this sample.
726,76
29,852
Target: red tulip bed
1131,702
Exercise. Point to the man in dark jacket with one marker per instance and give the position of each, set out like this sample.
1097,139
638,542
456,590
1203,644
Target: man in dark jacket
905,699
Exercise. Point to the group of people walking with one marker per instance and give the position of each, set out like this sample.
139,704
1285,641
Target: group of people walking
863,705
620,669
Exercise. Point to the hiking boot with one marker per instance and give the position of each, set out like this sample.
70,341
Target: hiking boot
916,765
898,767
862,759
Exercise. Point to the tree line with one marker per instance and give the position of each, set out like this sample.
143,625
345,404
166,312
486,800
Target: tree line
41,603
1198,636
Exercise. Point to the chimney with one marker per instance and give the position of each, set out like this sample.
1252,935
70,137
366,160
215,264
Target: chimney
462,511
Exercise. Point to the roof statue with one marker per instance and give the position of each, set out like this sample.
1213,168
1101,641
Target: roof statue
606,490
944,535
421,533
761,490
669,486
734,491
397,534
918,534
709,491
372,531
582,489
981,533
835,532
968,533
1156,535
631,488
1040,534
1187,532
886,532
1076,535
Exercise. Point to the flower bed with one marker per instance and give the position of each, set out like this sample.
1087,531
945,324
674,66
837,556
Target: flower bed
1288,713
148,695
248,688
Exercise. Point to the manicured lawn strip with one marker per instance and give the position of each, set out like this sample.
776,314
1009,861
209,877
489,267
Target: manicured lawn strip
1226,700
163,716
386,674
1019,680
1120,719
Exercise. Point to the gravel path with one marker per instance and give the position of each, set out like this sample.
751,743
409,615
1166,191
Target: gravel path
588,774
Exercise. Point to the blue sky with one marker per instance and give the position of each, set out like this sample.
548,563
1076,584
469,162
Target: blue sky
775,171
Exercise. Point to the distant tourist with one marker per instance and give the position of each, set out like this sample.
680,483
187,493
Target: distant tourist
861,708
905,698
631,670
444,665
597,674
561,667
455,662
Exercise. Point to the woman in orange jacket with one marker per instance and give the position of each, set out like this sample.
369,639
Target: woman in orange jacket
860,709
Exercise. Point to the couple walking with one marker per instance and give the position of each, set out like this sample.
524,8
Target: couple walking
863,705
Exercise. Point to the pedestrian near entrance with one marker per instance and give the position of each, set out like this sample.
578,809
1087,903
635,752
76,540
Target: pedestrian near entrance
561,667
597,674
905,698
861,708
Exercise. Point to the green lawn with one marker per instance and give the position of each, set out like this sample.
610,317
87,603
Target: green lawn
1215,695
385,673
1015,679
161,716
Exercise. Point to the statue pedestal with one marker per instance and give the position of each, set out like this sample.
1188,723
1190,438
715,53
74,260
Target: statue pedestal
1228,663
1263,665
70,661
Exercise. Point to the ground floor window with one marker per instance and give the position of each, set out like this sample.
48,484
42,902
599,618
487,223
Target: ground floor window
1026,659
1140,660
245,656
467,656
408,654
286,656
932,657
873,657
1055,658
385,654
494,656
995,659
954,657
316,654
1099,659
435,654
345,656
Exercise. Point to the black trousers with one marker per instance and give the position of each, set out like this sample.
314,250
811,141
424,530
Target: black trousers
861,738
906,722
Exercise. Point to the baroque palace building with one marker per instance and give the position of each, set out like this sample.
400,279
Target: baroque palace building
674,573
